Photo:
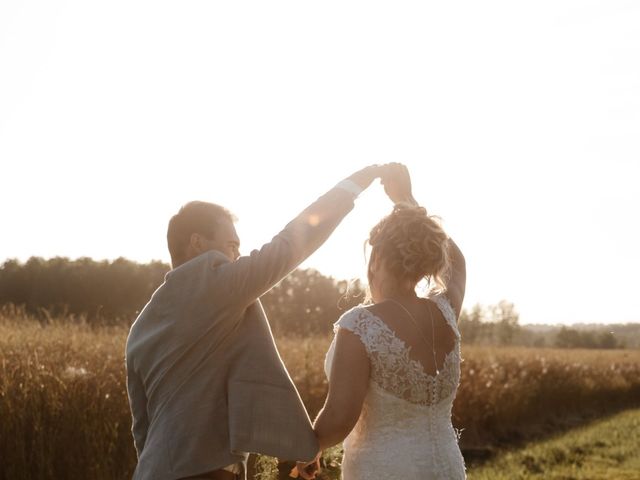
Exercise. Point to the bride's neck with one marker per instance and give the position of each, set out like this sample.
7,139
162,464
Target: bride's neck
402,296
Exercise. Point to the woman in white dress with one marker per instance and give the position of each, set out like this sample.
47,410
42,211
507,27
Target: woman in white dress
394,364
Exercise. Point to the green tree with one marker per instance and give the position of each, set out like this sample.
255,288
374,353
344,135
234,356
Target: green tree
471,325
505,318
568,338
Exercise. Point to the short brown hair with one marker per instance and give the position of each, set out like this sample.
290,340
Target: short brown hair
193,217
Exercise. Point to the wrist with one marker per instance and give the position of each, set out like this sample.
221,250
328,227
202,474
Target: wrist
350,186
408,200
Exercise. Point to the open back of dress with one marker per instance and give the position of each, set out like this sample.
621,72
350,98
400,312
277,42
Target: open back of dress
405,427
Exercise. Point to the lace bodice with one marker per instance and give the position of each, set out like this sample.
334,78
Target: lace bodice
392,369
405,425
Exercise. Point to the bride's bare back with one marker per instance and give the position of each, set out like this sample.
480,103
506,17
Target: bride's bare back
423,329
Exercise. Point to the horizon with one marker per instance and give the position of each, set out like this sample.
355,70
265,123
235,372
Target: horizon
575,324
518,123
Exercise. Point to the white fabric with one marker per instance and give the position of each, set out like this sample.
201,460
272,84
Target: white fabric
236,468
404,430
350,186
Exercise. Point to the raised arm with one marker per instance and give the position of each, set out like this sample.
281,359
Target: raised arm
251,276
456,283
397,185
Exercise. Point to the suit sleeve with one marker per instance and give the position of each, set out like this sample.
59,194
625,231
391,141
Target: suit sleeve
251,276
138,403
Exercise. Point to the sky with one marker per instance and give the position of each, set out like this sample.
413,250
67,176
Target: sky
519,122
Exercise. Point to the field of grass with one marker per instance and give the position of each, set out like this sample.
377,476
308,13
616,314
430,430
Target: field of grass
64,411
604,450
505,393
63,403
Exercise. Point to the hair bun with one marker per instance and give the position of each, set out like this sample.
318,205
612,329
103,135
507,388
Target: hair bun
412,244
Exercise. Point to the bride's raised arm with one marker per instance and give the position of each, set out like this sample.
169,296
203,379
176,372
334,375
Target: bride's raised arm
397,185
457,280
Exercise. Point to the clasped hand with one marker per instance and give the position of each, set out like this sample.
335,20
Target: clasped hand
307,470
393,176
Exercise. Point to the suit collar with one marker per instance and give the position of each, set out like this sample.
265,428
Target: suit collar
213,258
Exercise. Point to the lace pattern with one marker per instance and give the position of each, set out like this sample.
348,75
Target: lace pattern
404,429
392,369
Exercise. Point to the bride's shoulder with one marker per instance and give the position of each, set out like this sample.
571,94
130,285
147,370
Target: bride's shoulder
353,319
443,302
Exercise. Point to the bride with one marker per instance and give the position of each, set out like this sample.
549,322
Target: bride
394,364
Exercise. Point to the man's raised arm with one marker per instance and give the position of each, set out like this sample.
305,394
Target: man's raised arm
251,276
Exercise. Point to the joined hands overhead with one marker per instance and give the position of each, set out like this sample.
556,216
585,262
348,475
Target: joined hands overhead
397,183
393,176
396,180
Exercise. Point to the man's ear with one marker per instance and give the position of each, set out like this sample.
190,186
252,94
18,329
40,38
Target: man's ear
196,243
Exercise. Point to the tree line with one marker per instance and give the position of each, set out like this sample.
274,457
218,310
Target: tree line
499,325
109,292
305,302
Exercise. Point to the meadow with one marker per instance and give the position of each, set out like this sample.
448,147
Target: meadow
606,449
64,411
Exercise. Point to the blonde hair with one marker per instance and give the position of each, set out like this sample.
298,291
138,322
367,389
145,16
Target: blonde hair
412,245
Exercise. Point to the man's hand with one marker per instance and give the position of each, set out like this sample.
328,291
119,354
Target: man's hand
306,470
365,176
397,183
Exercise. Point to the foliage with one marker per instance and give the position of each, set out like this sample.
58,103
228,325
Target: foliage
64,408
305,302
492,325
498,325
83,288
607,449
573,338
114,292
63,404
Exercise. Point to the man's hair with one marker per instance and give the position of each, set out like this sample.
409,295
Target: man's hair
193,217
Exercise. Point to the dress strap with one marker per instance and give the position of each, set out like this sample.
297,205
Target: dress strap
449,314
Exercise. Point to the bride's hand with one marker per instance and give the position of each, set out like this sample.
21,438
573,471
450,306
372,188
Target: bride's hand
397,183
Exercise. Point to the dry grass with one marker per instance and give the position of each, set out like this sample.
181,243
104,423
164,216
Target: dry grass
64,411
507,392
63,403
504,391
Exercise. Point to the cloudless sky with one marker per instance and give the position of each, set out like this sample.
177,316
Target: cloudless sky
519,121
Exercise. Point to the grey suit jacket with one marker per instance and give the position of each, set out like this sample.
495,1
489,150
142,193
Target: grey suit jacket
204,378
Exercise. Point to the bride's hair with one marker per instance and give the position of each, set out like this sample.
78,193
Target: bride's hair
412,245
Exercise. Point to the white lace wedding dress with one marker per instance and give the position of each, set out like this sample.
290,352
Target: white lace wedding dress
404,430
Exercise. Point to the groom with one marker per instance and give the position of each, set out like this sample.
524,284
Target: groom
205,382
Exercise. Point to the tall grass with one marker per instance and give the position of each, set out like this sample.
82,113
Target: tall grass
503,391
512,392
64,411
63,403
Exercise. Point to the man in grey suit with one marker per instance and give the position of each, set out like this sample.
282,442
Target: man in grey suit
205,381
